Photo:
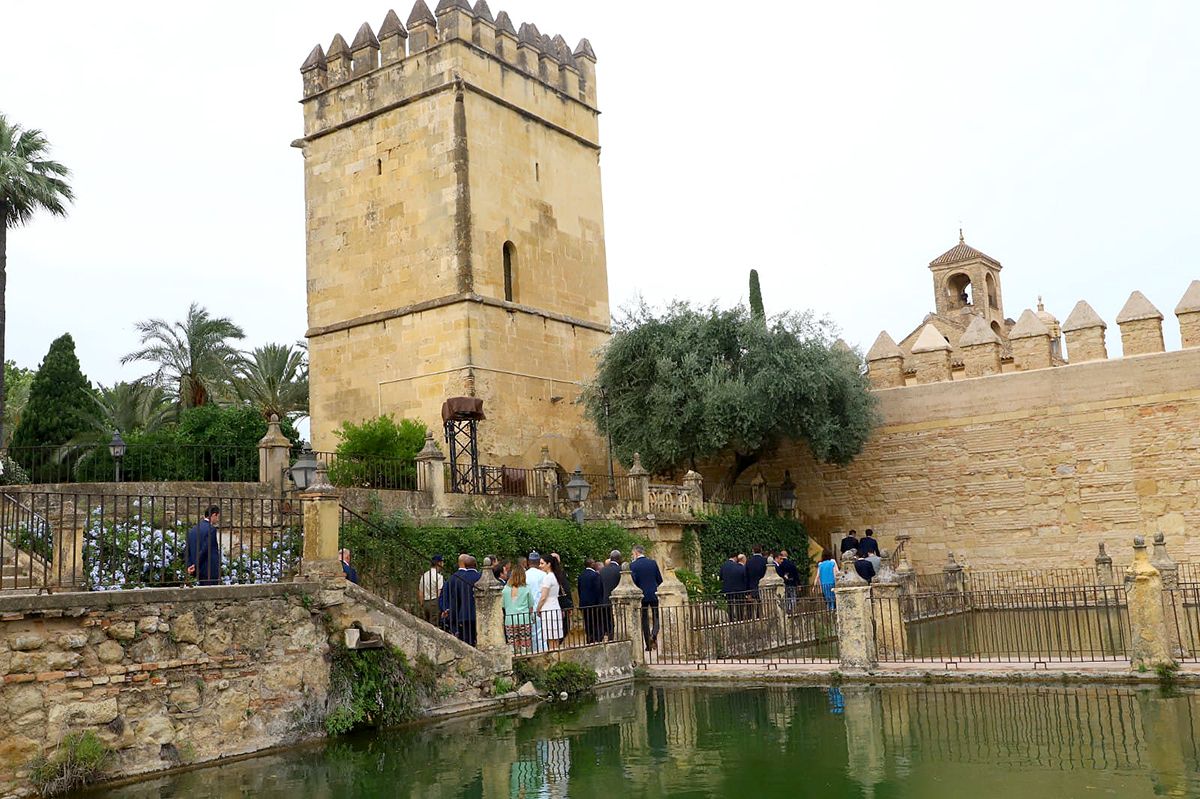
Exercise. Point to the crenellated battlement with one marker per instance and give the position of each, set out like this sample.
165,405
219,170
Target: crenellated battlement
547,59
1034,342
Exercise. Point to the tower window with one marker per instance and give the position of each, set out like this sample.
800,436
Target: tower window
510,265
992,294
958,287
537,171
378,166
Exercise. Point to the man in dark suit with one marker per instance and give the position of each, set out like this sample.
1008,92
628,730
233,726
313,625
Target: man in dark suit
348,570
591,601
789,572
733,586
458,599
864,568
850,542
868,545
647,577
203,551
610,575
756,569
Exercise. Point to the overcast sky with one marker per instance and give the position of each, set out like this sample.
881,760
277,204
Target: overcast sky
836,147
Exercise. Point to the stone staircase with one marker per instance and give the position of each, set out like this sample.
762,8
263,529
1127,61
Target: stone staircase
20,571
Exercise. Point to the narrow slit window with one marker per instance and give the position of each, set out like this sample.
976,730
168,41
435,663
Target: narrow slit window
510,265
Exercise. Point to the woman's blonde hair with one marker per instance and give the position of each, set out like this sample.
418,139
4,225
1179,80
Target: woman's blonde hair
516,577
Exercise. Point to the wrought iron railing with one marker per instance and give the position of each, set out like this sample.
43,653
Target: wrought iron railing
534,633
367,471
142,463
744,628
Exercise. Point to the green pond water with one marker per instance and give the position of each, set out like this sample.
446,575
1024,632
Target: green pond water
758,743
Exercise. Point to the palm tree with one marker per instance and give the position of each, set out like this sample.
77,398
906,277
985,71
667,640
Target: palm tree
29,182
274,379
195,357
126,408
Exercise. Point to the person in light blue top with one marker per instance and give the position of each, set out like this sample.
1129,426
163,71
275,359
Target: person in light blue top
827,574
518,611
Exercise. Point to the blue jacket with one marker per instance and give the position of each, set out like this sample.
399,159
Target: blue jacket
458,595
756,569
591,588
204,552
733,577
647,577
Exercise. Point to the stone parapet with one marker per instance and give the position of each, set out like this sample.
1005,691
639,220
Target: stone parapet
1188,314
1084,330
980,349
931,356
1141,326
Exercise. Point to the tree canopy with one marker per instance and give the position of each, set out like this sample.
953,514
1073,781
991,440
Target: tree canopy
194,358
60,399
274,379
699,382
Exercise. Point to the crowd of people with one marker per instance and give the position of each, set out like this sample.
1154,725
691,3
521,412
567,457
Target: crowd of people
866,561
740,577
539,607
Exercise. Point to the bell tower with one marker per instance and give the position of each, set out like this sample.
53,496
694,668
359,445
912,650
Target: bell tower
967,282
455,229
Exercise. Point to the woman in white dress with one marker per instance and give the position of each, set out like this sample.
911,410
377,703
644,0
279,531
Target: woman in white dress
548,609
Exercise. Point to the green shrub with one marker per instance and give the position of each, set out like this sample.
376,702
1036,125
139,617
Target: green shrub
692,582
376,688
737,529
12,473
57,410
378,453
501,686
77,761
563,677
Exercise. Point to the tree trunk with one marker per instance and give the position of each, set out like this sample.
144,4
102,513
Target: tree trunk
3,288
740,464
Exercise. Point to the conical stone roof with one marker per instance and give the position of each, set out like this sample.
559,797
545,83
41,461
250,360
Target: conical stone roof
884,347
1190,303
1138,307
930,340
1029,326
1083,317
978,332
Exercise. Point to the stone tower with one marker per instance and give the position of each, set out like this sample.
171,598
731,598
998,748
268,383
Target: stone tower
455,232
967,282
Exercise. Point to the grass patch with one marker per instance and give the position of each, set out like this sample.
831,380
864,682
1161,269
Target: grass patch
568,678
78,760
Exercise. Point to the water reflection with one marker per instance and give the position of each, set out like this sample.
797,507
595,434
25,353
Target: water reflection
668,741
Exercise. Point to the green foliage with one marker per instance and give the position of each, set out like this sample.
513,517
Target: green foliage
737,529
12,473
274,379
376,688
77,761
378,453
693,383
501,686
757,310
562,677
59,402
693,582
194,359
17,382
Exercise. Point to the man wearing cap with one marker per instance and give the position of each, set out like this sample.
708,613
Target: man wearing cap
429,589
533,578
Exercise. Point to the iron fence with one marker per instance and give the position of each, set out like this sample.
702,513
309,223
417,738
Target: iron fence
506,481
1182,611
744,629
531,634
99,542
1086,623
388,565
1189,572
1029,578
362,471
142,463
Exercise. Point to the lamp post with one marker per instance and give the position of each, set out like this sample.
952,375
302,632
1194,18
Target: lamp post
787,494
116,448
304,470
577,489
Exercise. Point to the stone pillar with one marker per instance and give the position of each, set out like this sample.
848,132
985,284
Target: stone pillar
1149,646
891,636
885,363
1104,568
1188,314
274,455
547,472
1174,613
1084,330
431,464
322,526
640,478
627,604
771,602
1141,326
392,39
931,356
1030,341
489,621
904,569
855,629
980,349
953,572
693,484
673,610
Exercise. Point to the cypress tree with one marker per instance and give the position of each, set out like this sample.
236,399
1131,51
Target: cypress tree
757,310
58,400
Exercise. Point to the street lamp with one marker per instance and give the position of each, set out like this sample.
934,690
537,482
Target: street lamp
116,448
577,489
304,470
787,493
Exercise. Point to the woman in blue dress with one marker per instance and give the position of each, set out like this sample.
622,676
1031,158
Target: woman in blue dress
827,574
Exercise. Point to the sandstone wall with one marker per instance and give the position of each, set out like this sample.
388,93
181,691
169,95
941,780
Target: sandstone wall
164,676
1026,469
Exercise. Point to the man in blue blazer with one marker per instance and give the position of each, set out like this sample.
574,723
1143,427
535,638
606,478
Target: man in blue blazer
203,552
591,601
647,577
458,599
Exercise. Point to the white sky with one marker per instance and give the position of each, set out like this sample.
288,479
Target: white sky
834,146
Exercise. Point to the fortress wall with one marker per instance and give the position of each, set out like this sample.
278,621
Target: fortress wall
1021,470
